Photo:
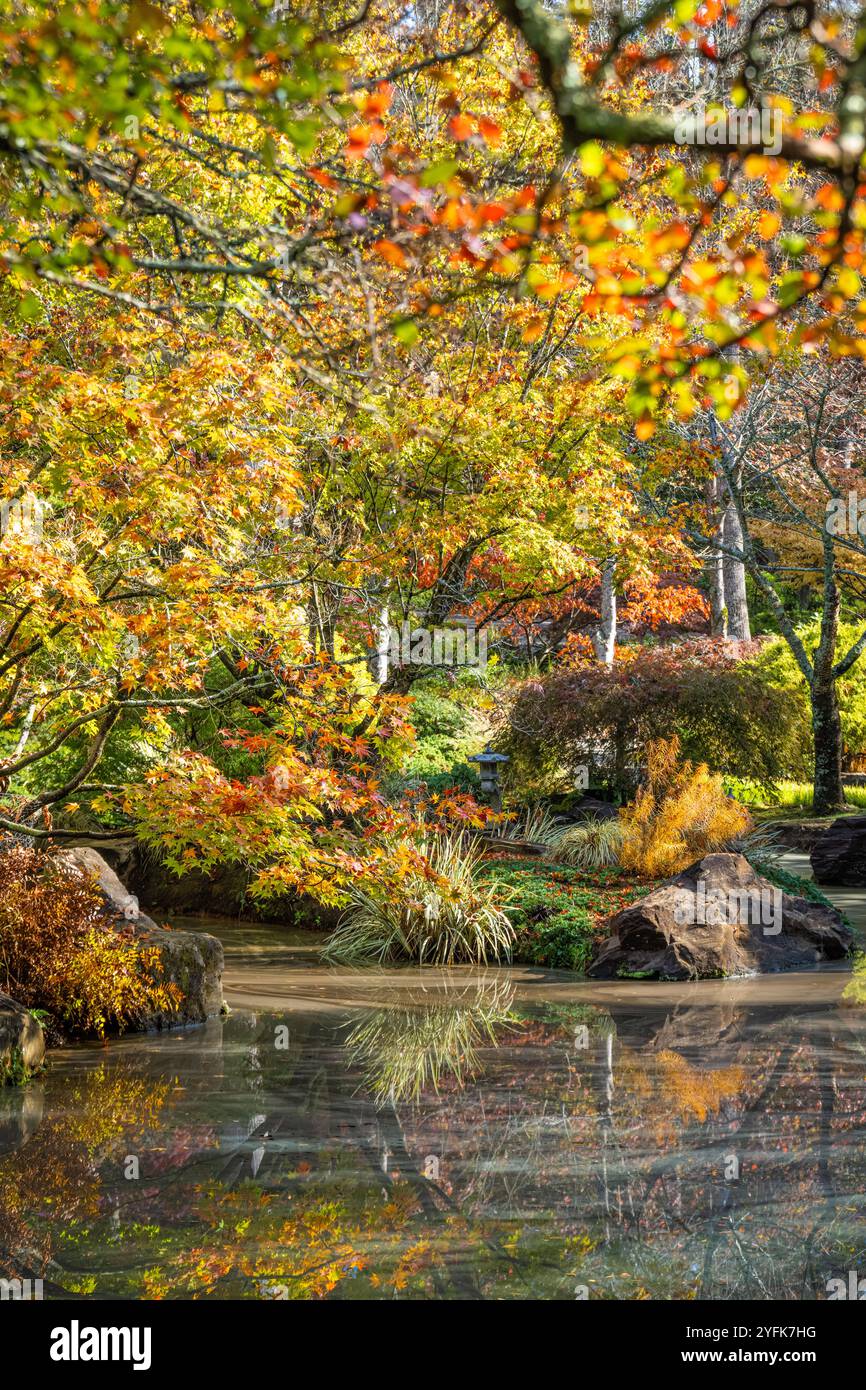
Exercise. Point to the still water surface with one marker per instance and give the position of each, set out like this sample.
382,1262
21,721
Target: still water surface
460,1135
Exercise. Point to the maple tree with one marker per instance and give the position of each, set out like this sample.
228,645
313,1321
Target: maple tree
322,322
233,160
722,704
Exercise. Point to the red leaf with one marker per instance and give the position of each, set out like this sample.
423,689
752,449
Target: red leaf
461,127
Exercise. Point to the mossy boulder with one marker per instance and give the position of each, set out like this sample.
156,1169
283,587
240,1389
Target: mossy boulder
719,919
193,963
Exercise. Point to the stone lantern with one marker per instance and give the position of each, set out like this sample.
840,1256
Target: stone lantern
488,767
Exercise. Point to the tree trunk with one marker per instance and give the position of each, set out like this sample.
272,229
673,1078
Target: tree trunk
734,570
736,601
716,560
826,723
828,795
604,636
383,646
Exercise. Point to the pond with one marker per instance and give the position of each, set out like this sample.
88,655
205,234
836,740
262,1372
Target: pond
495,1134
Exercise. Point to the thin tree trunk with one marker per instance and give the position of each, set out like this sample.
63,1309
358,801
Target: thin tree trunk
383,646
604,636
734,570
716,561
828,795
736,601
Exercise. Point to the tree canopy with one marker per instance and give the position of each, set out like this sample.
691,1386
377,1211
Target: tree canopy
322,320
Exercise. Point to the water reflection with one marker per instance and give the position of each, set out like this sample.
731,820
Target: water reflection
475,1138
406,1050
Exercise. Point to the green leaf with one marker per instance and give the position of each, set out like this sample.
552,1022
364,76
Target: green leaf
440,172
592,159
30,308
406,331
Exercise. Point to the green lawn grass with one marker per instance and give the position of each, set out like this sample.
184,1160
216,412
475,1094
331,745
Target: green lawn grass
788,799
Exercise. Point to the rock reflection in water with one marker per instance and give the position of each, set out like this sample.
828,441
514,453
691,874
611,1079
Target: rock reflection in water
482,1138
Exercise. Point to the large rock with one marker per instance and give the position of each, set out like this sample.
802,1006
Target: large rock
839,856
21,1110
801,835
118,900
719,919
22,1046
192,961
594,808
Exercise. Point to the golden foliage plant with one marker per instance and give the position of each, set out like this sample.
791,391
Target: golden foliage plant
59,953
680,813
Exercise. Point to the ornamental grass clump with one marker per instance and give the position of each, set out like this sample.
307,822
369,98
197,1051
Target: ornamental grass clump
536,825
439,913
679,814
595,844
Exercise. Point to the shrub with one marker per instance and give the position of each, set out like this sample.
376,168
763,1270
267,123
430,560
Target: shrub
446,725
441,913
58,954
462,777
854,992
725,711
595,844
751,793
680,813
774,665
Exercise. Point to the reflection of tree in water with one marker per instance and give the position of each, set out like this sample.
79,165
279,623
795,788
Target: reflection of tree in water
367,1215
289,1189
759,1195
52,1169
455,1146
707,1153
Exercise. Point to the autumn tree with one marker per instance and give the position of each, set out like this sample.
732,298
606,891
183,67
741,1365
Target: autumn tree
791,465
319,316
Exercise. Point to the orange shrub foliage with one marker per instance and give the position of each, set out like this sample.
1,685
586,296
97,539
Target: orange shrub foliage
57,952
679,814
